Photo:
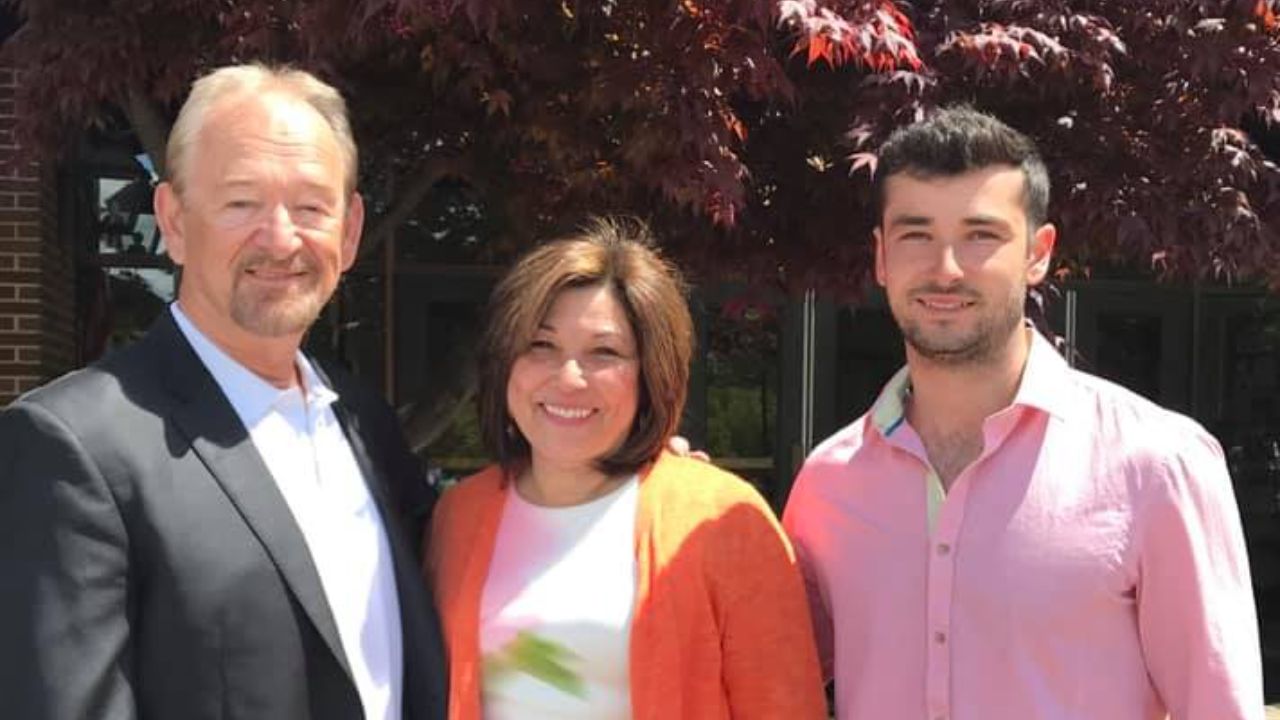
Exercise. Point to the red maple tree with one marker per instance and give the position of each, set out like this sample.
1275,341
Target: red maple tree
745,131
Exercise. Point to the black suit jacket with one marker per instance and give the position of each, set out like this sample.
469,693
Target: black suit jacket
150,567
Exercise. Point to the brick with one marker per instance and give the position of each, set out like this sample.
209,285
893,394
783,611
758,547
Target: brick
8,77
28,293
8,294
26,229
23,360
20,215
17,329
23,262
23,383
9,170
8,337
11,308
7,108
19,185
21,277
19,165
28,244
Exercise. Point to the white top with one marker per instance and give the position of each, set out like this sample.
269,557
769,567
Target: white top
555,615
308,455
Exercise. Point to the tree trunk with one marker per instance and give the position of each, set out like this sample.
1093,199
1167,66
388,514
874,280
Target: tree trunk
150,126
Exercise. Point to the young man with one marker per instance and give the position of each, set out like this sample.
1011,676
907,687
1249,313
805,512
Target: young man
205,525
1001,536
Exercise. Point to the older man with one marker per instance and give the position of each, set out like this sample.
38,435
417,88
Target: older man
207,525
1002,536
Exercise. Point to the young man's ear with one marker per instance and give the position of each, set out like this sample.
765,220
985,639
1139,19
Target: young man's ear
168,208
1040,252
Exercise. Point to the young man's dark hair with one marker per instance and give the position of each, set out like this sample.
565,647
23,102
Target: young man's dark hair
957,140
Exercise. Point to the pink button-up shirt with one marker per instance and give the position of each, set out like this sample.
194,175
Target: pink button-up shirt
1089,565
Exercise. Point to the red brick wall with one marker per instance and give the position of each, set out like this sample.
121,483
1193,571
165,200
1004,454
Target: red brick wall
37,286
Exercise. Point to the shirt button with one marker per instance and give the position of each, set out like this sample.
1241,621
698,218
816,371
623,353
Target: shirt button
940,638
944,549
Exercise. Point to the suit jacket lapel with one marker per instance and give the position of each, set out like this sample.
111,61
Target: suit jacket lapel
222,443
397,534
420,631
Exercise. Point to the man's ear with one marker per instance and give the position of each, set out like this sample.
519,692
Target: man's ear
168,207
1039,253
352,230
881,275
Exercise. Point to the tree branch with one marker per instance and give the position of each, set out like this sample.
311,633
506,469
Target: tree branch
423,179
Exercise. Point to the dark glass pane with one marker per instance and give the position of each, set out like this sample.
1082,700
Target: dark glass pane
868,352
742,387
1249,430
124,220
436,390
355,328
118,305
1129,352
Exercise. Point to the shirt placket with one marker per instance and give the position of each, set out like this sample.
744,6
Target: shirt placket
939,593
944,514
944,537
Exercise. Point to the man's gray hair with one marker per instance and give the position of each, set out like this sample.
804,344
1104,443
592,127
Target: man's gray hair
256,78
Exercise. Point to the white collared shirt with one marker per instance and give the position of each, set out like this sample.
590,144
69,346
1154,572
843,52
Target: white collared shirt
310,459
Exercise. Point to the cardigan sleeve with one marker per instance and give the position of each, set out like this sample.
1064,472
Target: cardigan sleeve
464,522
770,665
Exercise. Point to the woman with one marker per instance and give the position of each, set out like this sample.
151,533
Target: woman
589,573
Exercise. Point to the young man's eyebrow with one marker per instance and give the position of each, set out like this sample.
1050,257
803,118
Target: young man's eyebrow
910,220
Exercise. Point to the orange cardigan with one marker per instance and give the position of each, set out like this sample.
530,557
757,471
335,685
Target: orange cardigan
720,627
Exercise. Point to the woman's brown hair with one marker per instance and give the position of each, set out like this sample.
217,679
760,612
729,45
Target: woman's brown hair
618,254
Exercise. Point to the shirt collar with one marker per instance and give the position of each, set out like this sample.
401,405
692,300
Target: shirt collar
890,409
251,396
1045,381
1042,387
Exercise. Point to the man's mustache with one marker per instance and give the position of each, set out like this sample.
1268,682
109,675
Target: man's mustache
960,290
298,263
